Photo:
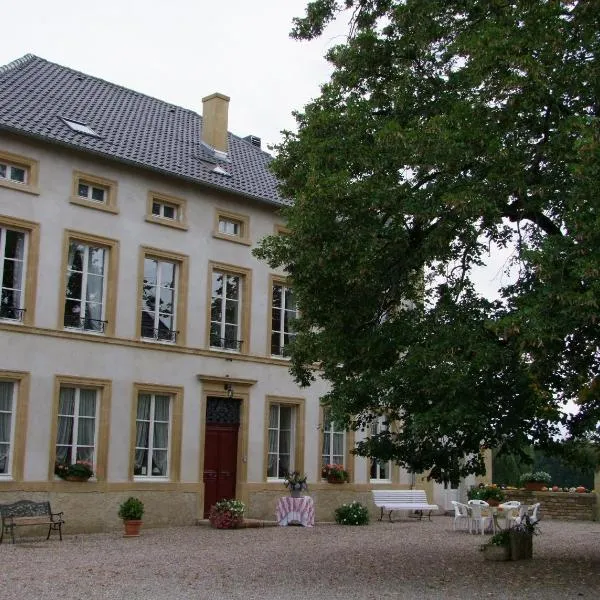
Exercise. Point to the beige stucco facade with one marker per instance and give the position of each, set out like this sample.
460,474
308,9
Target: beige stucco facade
39,353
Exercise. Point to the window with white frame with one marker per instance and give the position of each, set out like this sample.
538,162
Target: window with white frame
334,442
226,311
380,470
152,430
85,297
77,425
14,173
230,227
13,258
165,210
282,423
159,300
92,192
7,426
283,313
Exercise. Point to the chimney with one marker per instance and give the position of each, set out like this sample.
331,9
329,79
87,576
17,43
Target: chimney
214,121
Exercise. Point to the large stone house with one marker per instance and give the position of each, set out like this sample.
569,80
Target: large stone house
138,332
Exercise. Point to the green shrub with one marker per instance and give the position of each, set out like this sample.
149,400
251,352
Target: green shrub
487,492
354,513
132,509
537,476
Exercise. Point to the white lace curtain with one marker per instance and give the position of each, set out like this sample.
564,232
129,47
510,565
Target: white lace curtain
152,435
76,419
6,418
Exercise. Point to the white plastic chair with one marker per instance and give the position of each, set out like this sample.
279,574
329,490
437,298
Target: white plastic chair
477,503
509,511
480,522
533,512
516,518
510,504
461,516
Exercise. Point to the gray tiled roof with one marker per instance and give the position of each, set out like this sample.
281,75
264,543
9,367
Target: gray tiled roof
133,128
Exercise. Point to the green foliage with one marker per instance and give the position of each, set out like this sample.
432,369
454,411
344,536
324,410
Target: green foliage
354,513
132,509
536,476
502,538
335,472
570,466
81,468
488,492
448,130
235,507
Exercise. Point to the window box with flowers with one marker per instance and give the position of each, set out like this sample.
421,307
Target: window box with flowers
335,473
79,471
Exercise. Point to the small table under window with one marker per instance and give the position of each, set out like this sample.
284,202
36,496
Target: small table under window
295,510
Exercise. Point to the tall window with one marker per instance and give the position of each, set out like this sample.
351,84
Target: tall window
283,312
7,426
159,302
281,440
152,435
226,311
380,470
86,287
13,250
334,442
77,425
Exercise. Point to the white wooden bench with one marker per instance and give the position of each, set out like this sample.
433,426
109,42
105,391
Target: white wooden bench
411,500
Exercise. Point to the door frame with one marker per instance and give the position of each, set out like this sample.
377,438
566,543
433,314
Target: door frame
218,387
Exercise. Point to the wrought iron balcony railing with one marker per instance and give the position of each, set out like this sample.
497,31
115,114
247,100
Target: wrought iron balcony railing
160,335
11,312
226,343
85,324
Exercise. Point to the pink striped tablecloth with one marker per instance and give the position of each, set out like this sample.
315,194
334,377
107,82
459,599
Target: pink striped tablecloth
295,510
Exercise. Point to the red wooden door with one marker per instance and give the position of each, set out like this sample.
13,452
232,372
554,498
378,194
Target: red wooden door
220,462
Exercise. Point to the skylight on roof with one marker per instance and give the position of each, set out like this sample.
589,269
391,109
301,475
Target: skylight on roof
221,171
80,127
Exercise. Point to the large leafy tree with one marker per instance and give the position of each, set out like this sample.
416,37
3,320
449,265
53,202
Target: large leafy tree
449,128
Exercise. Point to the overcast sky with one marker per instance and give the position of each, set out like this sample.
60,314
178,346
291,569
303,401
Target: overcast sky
182,50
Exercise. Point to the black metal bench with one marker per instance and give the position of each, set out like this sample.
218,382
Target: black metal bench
27,512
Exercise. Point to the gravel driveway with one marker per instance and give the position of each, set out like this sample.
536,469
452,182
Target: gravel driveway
405,559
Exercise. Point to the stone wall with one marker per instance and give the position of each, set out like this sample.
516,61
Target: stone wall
560,505
98,512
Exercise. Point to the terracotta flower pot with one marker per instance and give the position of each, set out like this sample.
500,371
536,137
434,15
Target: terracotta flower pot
334,479
534,486
132,527
75,478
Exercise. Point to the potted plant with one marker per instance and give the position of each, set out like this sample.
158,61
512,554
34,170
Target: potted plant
227,514
296,483
498,547
334,473
521,537
78,471
492,494
535,481
131,512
